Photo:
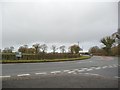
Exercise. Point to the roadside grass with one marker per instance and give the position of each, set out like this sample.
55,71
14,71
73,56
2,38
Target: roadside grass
44,60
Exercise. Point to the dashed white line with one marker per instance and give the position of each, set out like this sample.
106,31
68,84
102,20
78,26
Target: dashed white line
104,67
23,75
110,66
89,69
84,68
66,70
71,72
115,65
41,73
4,76
75,69
81,70
53,72
98,68
92,68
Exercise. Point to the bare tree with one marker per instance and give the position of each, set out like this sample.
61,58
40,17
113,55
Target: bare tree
62,49
43,47
37,48
54,48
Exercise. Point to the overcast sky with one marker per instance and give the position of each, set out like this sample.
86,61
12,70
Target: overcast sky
60,22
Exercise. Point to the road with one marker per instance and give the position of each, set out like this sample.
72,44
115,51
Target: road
98,71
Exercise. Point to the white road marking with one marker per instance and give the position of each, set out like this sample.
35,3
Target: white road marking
41,73
98,68
81,70
92,68
91,74
74,73
66,70
75,69
115,65
89,69
90,61
23,75
110,66
4,76
116,77
104,67
84,68
53,72
94,74
87,73
71,72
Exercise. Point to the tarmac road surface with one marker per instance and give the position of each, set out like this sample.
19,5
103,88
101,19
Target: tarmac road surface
96,72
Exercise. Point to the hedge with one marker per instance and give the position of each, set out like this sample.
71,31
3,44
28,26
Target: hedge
11,56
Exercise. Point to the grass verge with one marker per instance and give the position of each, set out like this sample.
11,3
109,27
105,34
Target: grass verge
45,60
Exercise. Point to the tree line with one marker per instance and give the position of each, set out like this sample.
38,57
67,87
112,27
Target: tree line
111,45
37,48
39,52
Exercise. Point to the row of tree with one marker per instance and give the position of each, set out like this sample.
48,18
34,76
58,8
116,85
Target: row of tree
37,48
111,45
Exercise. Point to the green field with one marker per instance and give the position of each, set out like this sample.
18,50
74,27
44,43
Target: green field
45,60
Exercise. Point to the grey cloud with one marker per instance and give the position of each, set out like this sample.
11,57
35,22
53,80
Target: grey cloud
66,22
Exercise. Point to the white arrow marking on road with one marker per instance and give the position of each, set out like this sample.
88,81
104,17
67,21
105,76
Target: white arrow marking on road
4,76
41,73
23,75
